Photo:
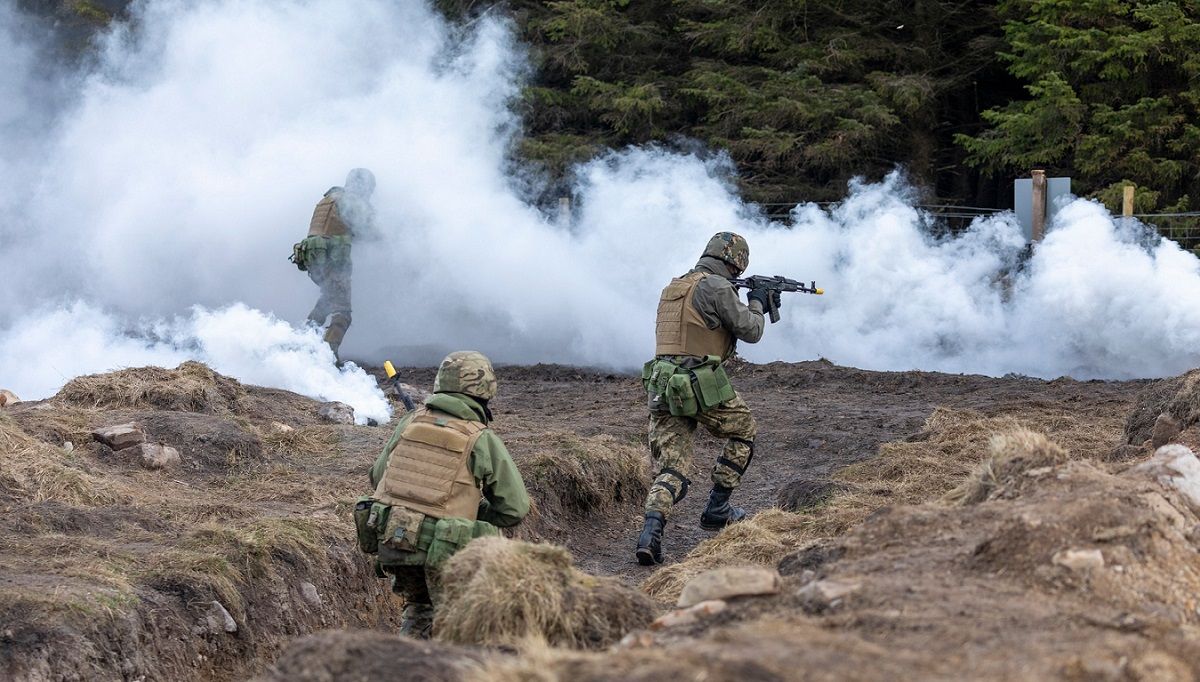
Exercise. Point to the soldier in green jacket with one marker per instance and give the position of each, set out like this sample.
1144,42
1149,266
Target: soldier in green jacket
342,215
700,320
443,479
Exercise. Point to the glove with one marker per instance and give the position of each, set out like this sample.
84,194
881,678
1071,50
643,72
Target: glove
777,299
760,295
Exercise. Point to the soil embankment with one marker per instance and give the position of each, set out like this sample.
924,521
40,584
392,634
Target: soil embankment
111,570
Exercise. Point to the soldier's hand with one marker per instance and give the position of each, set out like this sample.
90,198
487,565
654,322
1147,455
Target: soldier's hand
777,299
760,295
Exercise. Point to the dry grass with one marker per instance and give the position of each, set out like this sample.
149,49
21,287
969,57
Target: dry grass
314,441
504,592
569,476
35,471
1178,397
191,387
1010,455
921,469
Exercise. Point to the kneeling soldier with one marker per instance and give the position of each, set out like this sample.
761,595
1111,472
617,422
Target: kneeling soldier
700,319
443,479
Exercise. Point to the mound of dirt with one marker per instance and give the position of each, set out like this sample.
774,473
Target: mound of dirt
364,656
191,387
1177,397
1088,574
504,592
569,477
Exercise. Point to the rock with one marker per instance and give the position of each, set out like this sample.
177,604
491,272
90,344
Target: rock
7,398
120,436
280,427
690,615
820,595
1174,466
219,620
1166,429
636,640
310,594
418,396
155,455
1079,559
338,413
734,581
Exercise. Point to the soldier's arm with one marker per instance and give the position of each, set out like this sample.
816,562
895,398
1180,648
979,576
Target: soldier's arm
719,304
505,501
381,461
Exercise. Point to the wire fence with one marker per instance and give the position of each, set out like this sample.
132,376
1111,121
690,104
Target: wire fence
1182,228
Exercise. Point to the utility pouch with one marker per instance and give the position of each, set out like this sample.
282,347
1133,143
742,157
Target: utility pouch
368,535
449,536
712,383
403,529
314,250
299,256
656,374
681,397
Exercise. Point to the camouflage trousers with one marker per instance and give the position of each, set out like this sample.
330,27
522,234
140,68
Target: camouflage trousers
671,440
334,302
417,584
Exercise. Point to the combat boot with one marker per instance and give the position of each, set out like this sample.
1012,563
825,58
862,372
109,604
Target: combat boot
649,547
417,621
719,513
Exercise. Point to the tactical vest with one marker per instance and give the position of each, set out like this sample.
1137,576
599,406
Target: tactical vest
325,219
429,468
679,328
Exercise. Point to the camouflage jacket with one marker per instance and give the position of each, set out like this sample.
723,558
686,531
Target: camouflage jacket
719,305
505,501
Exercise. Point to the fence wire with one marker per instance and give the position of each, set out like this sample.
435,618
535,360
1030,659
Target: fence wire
1182,228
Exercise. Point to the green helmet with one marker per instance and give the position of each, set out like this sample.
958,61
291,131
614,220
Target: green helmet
731,248
467,372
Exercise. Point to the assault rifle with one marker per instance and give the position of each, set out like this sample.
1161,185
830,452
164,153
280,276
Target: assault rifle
775,284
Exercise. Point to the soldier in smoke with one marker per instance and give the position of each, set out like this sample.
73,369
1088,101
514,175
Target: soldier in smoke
700,320
343,214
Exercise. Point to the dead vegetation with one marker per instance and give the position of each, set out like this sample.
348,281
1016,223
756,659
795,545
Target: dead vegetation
570,476
1177,397
191,387
505,592
921,468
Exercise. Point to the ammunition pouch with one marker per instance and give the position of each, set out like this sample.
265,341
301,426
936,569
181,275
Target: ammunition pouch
403,537
686,391
319,250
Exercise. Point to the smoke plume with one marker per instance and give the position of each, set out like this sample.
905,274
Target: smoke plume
152,206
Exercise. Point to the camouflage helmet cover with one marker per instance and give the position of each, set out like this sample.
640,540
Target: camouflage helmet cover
731,248
467,372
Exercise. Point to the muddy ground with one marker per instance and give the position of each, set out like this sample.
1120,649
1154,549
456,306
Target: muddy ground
118,566
813,418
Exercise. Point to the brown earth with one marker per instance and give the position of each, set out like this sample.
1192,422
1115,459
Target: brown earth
109,571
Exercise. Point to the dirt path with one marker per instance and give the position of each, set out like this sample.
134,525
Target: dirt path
813,418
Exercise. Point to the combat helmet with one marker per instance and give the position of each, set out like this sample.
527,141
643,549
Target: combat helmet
731,248
360,181
468,372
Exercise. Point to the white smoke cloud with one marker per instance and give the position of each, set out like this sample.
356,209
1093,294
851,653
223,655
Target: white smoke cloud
188,161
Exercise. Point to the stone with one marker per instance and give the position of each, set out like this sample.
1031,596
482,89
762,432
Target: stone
821,595
154,455
1166,429
7,398
1079,559
219,620
280,427
120,436
338,413
1174,466
310,594
636,640
690,615
418,396
733,581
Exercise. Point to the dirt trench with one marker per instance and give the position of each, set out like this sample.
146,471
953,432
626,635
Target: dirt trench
119,567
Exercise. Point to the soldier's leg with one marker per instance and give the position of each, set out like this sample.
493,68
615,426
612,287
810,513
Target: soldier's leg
671,448
732,421
339,305
322,308
671,441
417,617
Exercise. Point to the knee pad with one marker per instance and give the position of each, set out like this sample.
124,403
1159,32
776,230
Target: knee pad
677,494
